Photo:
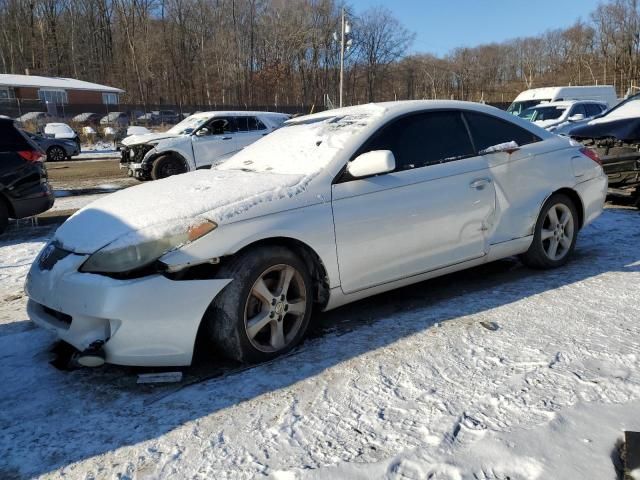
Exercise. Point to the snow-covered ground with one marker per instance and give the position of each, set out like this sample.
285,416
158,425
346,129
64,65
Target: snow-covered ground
498,372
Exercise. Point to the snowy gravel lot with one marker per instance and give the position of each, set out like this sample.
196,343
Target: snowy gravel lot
498,372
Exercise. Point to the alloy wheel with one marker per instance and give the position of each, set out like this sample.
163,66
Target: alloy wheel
557,232
275,309
57,154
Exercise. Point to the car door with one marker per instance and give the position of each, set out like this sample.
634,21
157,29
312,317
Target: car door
518,178
250,129
428,213
214,140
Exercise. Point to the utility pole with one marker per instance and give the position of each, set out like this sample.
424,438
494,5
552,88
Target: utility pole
342,26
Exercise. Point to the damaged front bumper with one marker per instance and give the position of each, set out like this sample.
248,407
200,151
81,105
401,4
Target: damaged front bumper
148,321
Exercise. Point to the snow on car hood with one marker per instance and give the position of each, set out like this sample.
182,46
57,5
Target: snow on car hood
147,137
167,206
277,167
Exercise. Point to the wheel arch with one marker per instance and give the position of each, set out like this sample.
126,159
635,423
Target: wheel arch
151,159
577,201
309,256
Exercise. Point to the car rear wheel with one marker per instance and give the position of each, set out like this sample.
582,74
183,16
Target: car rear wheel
56,154
555,234
265,310
166,166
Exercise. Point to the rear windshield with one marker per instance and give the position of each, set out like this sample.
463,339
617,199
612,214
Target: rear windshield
11,139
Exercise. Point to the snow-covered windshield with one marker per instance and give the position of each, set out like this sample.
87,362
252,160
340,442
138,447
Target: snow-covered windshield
628,109
534,114
303,146
189,124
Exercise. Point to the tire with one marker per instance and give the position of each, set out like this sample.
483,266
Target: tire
56,154
276,328
166,166
563,234
4,216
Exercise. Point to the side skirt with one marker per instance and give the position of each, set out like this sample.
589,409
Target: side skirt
501,250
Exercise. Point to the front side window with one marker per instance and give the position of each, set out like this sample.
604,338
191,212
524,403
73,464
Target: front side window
488,131
221,125
110,98
424,139
57,97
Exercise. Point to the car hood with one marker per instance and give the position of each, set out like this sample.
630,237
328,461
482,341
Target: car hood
156,209
146,138
547,123
625,129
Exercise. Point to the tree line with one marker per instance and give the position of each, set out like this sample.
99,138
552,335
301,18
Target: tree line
285,52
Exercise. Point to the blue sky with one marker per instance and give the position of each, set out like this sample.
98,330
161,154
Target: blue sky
441,25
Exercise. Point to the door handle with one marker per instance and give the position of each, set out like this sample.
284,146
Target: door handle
226,138
480,183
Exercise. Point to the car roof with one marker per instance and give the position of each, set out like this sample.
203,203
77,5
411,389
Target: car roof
238,113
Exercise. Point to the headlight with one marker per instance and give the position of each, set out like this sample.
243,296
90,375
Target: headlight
123,256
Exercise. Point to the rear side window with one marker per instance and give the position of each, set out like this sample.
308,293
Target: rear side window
578,110
11,139
255,124
488,131
249,124
424,139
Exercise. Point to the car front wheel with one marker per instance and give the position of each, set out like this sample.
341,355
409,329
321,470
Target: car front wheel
555,234
166,166
265,310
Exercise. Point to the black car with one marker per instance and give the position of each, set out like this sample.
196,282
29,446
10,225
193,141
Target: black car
24,188
615,136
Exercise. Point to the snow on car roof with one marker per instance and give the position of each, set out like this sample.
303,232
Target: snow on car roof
10,80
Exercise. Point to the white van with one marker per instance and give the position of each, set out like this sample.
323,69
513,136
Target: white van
529,98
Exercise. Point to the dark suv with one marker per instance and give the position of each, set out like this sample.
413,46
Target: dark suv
24,189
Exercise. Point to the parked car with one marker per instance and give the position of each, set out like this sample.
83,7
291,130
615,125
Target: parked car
329,209
87,119
38,118
56,150
61,131
197,142
615,136
530,98
553,114
115,119
24,189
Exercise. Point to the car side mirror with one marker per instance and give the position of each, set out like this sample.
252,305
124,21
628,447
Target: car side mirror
576,118
372,163
202,132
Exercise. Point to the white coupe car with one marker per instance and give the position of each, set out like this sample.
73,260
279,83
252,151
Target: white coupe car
329,209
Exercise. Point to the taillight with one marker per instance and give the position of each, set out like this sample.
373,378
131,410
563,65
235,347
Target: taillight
587,152
31,155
